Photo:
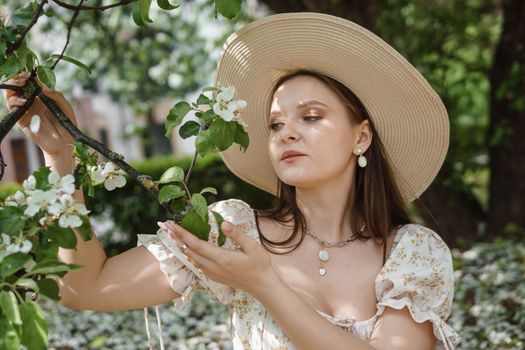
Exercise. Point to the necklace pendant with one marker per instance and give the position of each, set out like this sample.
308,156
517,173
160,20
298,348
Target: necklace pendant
322,271
324,255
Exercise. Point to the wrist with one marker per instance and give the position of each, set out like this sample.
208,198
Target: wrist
63,163
270,283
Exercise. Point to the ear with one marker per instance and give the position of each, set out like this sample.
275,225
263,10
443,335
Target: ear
363,136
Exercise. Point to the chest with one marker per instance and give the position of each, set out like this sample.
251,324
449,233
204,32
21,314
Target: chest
347,289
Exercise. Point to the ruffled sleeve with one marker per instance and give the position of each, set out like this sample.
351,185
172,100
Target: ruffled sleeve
419,275
182,275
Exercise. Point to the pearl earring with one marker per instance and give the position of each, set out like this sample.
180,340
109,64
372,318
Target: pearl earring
362,159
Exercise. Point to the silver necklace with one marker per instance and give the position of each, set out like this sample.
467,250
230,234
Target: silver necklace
324,256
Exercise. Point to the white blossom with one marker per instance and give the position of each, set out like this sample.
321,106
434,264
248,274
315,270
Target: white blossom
40,200
16,200
227,108
62,184
110,175
29,184
10,247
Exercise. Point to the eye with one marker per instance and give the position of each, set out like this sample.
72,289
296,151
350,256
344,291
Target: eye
274,126
311,117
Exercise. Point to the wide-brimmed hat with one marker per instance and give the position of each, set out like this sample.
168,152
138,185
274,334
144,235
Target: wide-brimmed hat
408,115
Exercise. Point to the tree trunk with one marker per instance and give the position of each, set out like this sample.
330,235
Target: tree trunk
506,133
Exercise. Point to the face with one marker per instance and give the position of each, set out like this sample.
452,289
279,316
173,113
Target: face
306,116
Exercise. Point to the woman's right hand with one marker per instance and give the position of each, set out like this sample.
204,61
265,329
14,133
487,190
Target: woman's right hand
52,138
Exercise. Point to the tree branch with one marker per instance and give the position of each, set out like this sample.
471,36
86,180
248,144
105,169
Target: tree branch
69,29
95,8
26,29
11,87
9,122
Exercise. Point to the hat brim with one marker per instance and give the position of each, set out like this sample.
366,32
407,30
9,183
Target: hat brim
409,116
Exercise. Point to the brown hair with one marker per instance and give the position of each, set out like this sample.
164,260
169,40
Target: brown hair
378,202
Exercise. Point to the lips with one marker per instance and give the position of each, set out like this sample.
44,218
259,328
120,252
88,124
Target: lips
289,154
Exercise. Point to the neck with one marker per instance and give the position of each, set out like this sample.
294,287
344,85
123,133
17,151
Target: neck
328,210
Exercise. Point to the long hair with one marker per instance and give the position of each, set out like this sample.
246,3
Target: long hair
377,203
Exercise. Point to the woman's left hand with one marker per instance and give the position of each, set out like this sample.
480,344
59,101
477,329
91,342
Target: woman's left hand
248,268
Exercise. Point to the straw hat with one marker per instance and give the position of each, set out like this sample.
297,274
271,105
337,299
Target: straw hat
409,116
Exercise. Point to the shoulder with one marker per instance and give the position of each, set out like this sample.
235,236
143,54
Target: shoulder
233,210
421,238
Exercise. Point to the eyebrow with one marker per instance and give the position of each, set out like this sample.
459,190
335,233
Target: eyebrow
303,105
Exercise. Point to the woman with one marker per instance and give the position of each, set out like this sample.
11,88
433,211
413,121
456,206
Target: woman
345,132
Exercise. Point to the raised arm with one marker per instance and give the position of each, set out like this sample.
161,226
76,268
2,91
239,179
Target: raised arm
129,280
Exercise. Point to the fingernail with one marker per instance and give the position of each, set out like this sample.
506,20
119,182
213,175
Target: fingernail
226,226
20,99
161,225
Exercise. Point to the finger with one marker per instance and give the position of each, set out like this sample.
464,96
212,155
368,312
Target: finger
166,229
201,262
236,234
15,101
201,247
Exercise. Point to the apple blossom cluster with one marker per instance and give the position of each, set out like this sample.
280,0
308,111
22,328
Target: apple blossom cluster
227,108
8,247
54,203
108,174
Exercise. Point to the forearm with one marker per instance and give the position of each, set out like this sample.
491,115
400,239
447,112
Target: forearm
301,323
89,254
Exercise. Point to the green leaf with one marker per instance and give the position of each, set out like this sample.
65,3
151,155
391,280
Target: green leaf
229,8
24,15
203,100
176,115
9,306
144,10
65,237
136,14
222,237
165,5
208,116
11,67
42,178
12,263
204,143
9,335
201,207
173,174
170,192
190,128
28,283
178,205
241,137
11,219
46,76
222,133
209,190
34,327
86,232
49,288
193,223
73,61
52,267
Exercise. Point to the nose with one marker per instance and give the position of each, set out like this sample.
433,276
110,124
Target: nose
289,132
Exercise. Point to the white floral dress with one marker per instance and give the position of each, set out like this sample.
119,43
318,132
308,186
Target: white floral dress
417,274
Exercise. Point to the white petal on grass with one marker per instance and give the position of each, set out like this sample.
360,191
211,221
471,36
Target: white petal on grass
34,125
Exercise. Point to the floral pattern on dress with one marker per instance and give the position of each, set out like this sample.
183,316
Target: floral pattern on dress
418,274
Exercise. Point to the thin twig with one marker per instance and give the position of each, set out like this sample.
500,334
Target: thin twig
26,29
187,179
96,8
69,29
